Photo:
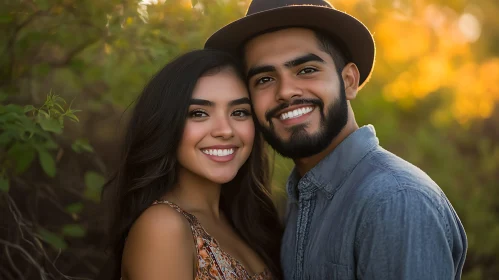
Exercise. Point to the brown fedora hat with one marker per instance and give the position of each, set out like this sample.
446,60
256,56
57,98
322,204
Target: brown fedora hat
264,15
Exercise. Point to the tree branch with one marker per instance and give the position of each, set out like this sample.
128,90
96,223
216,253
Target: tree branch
12,264
72,53
9,48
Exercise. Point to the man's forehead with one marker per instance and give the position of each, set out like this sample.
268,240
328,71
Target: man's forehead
278,47
286,58
291,33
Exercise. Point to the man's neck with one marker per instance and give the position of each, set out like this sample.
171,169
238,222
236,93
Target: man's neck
303,165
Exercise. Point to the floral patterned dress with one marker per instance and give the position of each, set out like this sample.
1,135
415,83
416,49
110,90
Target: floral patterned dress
213,263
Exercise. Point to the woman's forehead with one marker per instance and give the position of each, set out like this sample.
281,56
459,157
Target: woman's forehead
220,87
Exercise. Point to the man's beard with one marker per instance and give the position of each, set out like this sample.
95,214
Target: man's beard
301,144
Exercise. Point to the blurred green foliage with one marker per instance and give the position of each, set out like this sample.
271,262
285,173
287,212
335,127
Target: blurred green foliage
432,99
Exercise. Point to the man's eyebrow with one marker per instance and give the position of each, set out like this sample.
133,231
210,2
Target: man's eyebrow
303,59
292,63
201,102
240,101
259,69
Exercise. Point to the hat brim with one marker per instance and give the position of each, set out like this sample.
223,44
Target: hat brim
353,34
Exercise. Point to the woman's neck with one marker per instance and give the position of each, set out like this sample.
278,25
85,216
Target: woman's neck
194,193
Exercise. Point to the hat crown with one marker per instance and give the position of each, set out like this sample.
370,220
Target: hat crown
257,6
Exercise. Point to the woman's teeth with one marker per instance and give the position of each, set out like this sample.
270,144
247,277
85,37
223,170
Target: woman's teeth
218,152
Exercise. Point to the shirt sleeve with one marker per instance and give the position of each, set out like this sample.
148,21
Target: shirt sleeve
405,236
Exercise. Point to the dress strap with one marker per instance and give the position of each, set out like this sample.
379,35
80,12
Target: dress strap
191,218
193,222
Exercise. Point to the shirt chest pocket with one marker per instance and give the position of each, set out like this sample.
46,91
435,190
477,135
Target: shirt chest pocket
332,271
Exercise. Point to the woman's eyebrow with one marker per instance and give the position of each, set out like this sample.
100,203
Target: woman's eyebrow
240,101
203,102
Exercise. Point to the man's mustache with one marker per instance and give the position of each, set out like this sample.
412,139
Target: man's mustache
273,112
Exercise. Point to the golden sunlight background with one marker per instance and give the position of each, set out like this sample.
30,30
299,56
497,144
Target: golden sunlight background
70,71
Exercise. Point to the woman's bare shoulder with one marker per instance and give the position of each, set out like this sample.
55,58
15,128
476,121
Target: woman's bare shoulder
159,244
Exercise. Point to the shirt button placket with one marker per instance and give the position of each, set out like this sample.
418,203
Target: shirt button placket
304,208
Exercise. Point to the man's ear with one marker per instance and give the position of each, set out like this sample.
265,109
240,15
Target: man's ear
351,77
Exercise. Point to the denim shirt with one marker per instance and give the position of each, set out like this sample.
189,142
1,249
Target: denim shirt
364,213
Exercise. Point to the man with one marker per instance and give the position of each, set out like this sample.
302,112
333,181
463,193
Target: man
356,211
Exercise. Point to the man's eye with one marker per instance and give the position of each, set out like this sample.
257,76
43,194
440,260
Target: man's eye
263,80
307,70
241,113
197,114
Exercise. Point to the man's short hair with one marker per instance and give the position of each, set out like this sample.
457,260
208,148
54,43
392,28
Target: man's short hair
327,43
334,48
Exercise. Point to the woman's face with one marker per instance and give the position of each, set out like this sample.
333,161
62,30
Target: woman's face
219,130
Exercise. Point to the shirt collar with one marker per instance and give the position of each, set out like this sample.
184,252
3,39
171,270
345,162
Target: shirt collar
333,169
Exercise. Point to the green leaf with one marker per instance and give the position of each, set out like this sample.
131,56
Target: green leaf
50,145
74,208
73,230
44,113
29,108
72,117
82,145
55,112
53,239
50,125
93,183
47,162
6,137
28,124
9,117
58,99
4,184
74,110
16,129
11,108
23,155
59,106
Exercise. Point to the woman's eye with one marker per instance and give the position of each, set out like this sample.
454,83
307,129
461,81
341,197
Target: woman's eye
241,113
307,70
263,80
197,114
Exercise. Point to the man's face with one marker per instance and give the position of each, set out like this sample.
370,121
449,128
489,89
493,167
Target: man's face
297,93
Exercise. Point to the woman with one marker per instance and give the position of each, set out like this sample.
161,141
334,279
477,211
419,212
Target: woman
192,197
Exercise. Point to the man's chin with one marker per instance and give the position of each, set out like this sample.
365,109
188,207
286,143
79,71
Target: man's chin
300,142
298,151
302,147
287,134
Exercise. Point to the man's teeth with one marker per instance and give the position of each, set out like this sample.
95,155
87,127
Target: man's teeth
296,113
218,152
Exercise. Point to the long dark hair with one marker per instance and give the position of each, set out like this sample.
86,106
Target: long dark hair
148,165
